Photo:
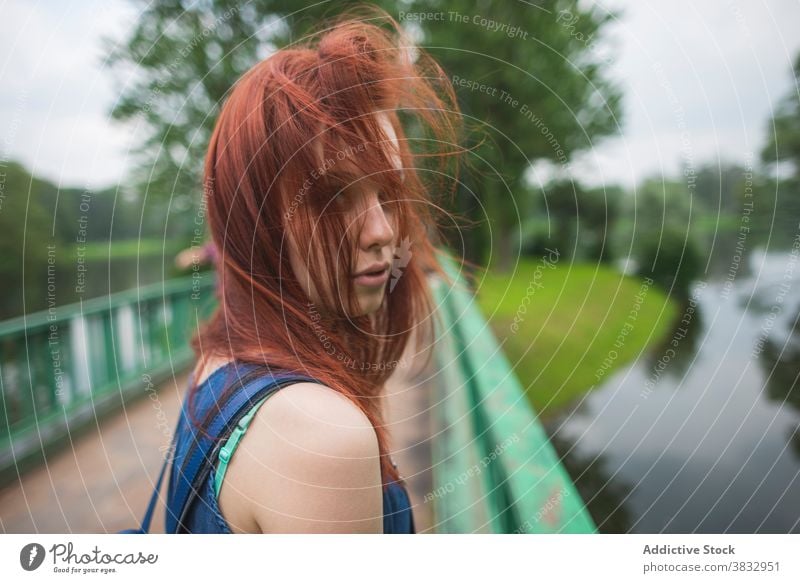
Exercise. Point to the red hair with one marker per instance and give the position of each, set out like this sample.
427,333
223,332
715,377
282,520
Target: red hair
295,130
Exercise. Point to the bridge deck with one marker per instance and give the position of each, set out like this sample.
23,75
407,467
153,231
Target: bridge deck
101,481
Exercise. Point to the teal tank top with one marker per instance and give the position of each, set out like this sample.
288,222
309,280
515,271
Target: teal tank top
226,451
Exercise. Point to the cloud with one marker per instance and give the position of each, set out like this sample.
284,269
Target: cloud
54,109
713,70
716,68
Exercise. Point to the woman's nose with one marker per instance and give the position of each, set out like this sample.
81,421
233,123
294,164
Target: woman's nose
377,230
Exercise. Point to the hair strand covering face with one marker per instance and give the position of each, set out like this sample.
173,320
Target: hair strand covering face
295,130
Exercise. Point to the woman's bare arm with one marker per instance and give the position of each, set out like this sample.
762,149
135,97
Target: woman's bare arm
307,463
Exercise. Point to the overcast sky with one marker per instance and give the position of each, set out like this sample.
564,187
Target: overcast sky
700,79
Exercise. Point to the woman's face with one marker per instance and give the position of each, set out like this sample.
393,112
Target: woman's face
375,242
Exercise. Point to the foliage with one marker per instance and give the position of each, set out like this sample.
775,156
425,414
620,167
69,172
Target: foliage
579,221
43,227
534,90
719,188
663,236
783,131
185,56
26,225
671,258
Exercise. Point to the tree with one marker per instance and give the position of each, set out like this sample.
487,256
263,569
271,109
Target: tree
185,56
664,242
532,81
777,204
548,96
578,221
27,227
719,188
783,133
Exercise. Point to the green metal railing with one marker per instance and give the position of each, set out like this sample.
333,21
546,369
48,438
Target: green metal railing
62,369
494,469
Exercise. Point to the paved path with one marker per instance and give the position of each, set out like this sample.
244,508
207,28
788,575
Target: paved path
101,482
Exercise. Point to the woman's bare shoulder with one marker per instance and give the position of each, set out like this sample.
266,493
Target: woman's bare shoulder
310,402
308,463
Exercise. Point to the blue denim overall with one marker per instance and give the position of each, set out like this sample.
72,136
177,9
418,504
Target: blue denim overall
203,514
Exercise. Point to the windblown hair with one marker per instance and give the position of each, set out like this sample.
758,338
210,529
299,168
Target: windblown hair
295,131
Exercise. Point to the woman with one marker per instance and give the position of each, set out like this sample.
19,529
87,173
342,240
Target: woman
318,208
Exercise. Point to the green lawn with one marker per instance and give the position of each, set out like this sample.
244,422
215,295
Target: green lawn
94,250
573,320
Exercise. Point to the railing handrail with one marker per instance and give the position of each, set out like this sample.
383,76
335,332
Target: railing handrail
63,368
480,407
476,405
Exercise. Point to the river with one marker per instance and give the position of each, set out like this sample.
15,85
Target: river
703,434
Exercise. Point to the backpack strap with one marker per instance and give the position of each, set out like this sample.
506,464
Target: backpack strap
198,463
151,506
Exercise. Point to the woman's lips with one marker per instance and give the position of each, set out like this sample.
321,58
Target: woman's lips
376,279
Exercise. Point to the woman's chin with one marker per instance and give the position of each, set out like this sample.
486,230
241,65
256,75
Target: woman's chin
369,304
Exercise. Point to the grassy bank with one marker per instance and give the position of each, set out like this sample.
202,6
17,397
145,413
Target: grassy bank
95,250
568,327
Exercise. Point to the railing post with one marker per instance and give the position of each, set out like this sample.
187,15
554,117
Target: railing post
61,368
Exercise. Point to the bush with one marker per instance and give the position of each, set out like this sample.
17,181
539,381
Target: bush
671,258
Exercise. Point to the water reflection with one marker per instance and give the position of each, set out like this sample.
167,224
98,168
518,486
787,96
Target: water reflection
678,350
707,441
780,360
604,497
